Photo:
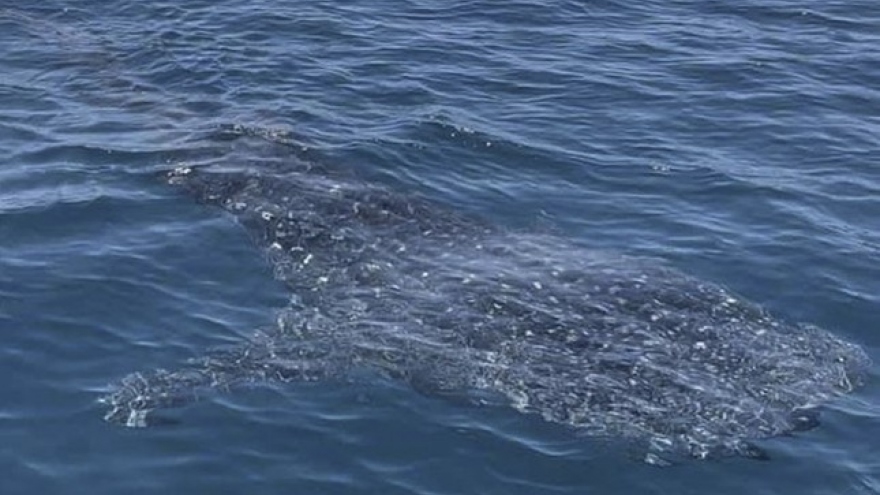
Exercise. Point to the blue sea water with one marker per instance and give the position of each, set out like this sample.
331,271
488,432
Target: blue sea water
739,141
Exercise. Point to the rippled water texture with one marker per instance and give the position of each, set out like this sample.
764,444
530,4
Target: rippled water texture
734,142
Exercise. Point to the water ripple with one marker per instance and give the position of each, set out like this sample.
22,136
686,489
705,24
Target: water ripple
736,140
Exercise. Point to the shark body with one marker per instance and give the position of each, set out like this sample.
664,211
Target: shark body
610,345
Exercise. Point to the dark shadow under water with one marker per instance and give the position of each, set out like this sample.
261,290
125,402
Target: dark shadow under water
610,345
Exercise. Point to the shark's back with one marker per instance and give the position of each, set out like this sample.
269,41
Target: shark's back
611,345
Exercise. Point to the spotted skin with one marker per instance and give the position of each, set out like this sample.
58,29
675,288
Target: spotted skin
611,346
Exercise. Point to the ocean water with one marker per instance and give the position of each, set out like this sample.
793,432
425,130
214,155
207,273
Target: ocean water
736,141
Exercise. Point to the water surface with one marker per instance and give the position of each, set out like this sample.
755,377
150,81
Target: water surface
736,142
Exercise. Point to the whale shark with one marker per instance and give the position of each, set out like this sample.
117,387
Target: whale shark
612,346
